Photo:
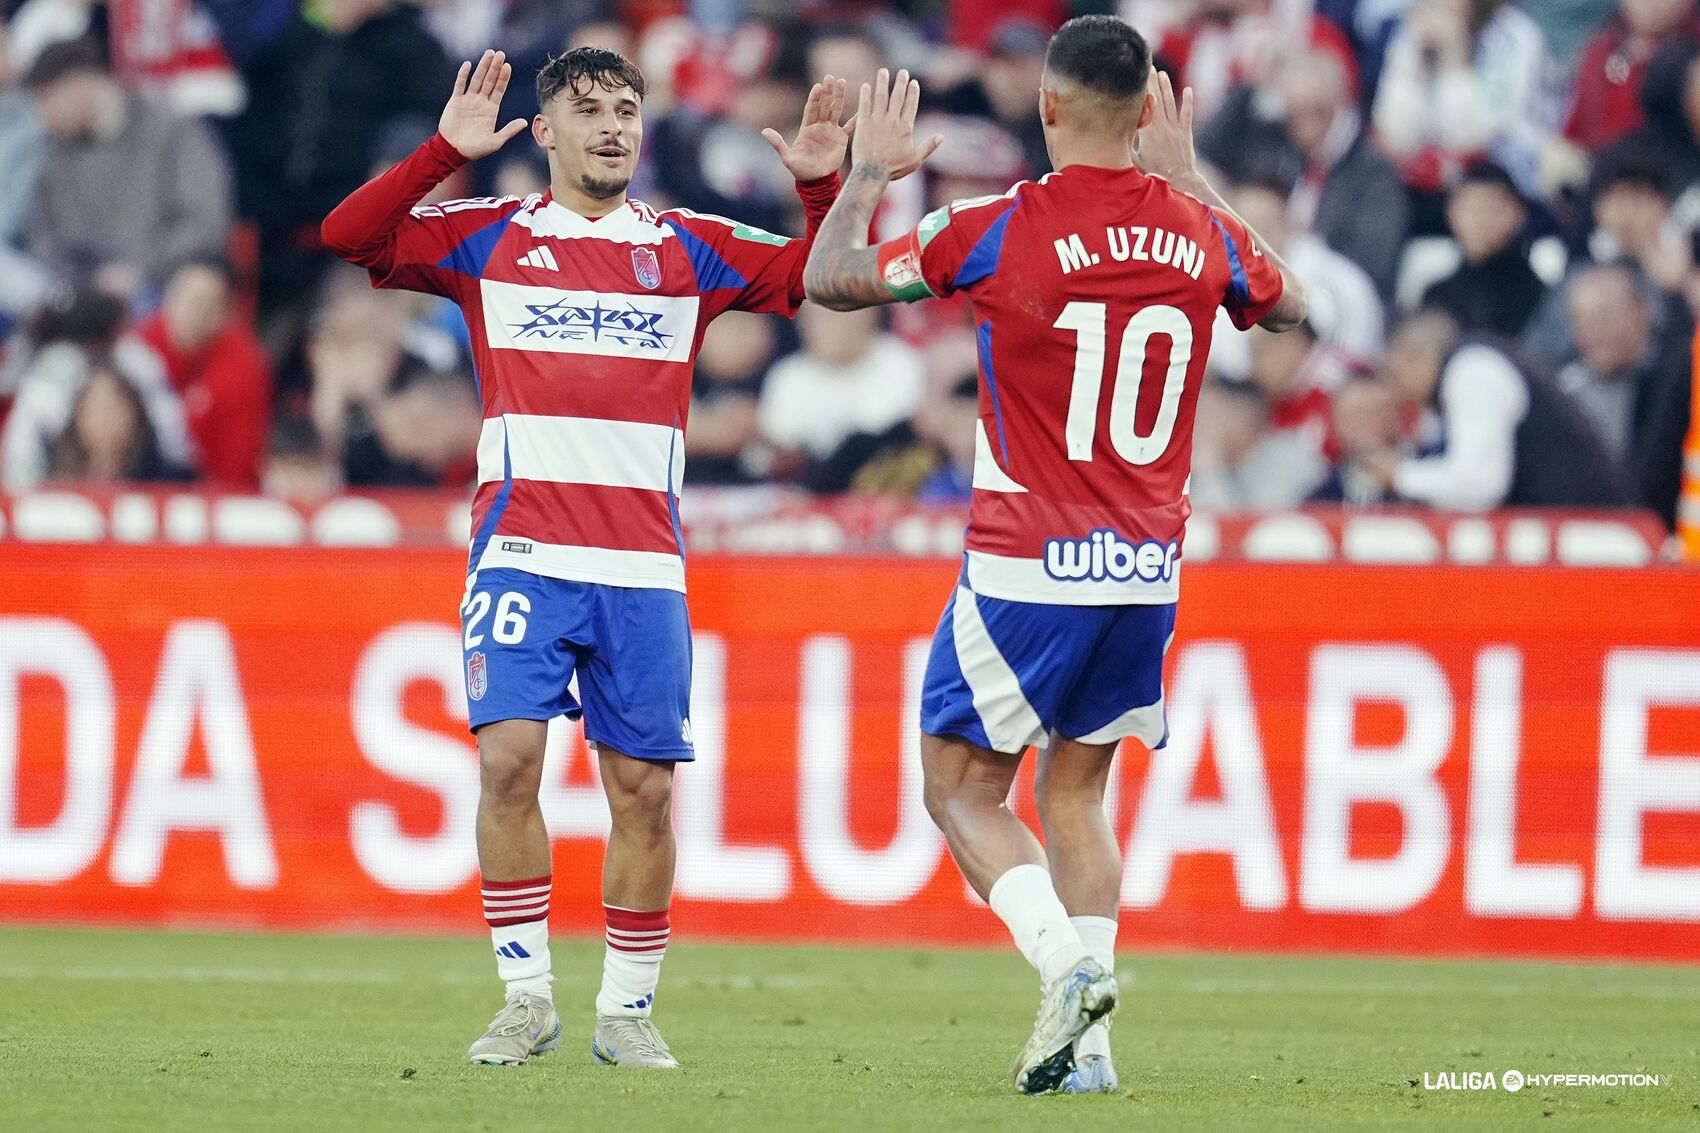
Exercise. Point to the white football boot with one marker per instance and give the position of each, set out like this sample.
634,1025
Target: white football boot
1073,1002
623,1041
526,1026
1093,1072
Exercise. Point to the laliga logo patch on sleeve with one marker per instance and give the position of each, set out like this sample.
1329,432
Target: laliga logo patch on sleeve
646,267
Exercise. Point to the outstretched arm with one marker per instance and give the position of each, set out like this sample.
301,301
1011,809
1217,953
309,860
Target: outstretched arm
1165,150
843,272
363,228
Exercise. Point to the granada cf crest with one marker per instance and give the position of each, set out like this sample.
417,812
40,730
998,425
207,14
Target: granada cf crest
477,678
647,267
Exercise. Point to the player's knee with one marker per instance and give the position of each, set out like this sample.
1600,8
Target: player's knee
643,801
508,775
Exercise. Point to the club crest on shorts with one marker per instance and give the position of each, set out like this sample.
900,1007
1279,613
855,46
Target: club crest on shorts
477,677
647,267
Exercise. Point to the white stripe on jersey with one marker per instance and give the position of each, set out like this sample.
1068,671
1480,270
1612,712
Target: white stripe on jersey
653,328
654,569
1025,580
583,450
989,475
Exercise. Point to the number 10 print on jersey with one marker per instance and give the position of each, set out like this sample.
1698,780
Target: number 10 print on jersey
1090,367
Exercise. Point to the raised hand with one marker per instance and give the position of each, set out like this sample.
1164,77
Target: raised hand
821,141
1164,147
885,126
469,120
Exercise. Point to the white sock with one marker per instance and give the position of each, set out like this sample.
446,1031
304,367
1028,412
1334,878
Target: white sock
631,966
1026,902
1098,934
522,956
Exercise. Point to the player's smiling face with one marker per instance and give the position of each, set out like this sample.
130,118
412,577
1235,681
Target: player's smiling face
595,135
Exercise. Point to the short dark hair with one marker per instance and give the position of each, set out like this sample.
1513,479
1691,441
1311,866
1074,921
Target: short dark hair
67,57
1103,54
574,71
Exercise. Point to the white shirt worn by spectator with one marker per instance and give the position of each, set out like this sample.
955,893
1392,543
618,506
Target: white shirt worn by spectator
47,396
1504,102
1345,312
1483,400
810,405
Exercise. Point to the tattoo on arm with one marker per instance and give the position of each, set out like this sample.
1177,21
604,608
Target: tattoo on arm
843,272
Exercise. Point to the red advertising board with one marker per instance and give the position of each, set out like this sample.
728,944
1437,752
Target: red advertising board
1448,760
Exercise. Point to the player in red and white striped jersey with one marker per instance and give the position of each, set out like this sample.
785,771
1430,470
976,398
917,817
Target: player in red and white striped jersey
586,310
1094,291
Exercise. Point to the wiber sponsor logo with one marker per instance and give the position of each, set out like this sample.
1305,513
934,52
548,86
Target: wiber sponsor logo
1106,556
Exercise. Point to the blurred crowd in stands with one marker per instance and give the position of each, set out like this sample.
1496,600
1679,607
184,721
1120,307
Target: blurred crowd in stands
1494,206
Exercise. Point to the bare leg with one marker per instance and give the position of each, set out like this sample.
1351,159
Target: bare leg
1085,861
637,871
512,842
967,787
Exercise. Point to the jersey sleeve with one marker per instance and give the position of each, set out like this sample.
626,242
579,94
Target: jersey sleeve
744,268
953,248
1254,282
403,244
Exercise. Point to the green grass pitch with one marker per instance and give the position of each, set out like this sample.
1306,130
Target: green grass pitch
111,1031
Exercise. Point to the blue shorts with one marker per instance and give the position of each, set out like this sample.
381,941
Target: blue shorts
1004,675
525,636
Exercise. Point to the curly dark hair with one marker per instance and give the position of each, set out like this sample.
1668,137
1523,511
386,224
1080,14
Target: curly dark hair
573,71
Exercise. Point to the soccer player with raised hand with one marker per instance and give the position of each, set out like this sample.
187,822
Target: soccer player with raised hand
586,309
1094,291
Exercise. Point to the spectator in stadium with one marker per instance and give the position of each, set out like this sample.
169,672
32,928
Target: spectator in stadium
850,377
320,96
1670,99
1214,46
1367,432
1292,369
422,433
1315,142
928,457
126,190
217,368
1346,315
1489,433
1605,101
1241,463
24,284
1005,89
1629,389
108,439
1633,226
1494,290
736,351
355,350
298,467
66,342
1464,79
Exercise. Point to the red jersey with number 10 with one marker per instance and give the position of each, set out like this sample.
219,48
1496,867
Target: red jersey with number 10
1094,292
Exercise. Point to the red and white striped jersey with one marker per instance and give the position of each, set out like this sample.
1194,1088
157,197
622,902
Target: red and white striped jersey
584,333
1094,294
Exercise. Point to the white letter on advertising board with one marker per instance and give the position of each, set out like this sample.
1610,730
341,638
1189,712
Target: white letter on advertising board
395,859
710,868
1494,884
1339,774
1211,693
838,864
1634,783
197,682
62,652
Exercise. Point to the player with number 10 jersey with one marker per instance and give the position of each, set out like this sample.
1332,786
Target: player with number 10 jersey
1093,292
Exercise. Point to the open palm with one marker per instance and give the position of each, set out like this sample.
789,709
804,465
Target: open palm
821,140
469,120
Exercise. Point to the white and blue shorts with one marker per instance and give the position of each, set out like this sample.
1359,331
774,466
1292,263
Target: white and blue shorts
1004,675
